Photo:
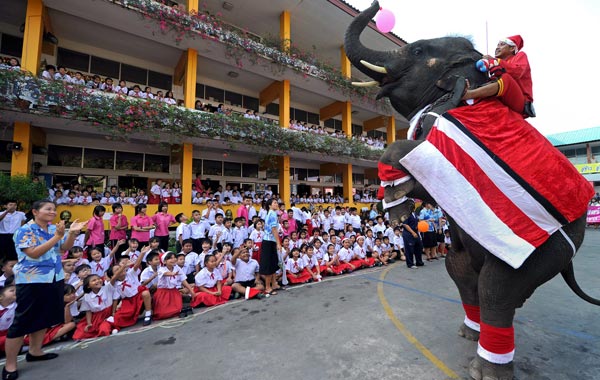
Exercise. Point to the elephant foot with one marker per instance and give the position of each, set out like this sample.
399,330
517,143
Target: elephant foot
481,369
468,333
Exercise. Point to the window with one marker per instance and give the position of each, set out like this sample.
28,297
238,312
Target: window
73,60
160,80
104,67
313,174
5,155
199,90
11,45
210,167
234,98
313,118
358,179
130,161
99,159
357,129
250,170
273,109
132,184
250,103
196,166
596,150
216,94
300,115
64,156
134,74
156,163
232,169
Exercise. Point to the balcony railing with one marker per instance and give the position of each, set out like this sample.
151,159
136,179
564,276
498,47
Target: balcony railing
121,117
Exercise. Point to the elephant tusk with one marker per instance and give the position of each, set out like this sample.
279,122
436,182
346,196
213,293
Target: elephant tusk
372,83
379,69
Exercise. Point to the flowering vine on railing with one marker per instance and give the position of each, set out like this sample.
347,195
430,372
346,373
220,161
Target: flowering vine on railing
120,117
242,46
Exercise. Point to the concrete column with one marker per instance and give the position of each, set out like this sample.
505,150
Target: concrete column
32,38
21,160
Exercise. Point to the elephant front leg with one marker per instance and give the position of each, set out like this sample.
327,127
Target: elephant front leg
460,268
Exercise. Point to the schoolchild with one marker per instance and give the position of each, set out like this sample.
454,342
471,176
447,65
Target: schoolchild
295,268
311,263
132,293
247,280
209,288
168,301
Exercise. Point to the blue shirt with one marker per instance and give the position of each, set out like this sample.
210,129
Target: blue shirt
271,221
44,269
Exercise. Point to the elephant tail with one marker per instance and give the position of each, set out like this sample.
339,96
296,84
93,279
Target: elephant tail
569,276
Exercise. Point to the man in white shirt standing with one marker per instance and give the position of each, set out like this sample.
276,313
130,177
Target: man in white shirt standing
10,221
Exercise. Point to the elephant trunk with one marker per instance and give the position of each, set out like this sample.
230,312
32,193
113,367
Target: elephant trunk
356,51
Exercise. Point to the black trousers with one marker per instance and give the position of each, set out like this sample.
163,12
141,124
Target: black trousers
415,248
7,250
163,242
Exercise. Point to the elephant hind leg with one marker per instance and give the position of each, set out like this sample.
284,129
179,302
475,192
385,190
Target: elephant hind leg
481,369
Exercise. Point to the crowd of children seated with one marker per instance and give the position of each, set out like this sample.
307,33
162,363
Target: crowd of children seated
216,259
375,143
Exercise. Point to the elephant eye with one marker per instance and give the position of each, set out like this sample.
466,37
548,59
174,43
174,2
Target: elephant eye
417,51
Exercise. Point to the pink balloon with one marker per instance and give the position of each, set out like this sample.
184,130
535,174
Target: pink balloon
385,20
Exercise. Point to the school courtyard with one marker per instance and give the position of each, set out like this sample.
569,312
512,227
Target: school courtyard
386,323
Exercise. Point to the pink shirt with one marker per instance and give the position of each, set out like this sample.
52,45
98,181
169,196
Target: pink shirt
141,221
118,234
162,222
96,228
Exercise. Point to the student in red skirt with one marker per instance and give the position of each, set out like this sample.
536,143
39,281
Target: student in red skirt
209,287
167,300
247,280
360,254
346,255
8,304
334,265
311,263
133,295
257,237
97,303
295,268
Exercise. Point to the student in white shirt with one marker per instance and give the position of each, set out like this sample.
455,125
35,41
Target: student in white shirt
133,296
209,285
247,280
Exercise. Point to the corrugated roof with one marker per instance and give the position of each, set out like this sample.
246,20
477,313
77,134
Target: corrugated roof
575,137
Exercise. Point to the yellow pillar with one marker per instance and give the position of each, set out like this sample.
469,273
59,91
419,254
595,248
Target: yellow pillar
345,64
285,30
284,180
284,104
187,175
391,130
191,71
347,182
21,160
32,38
192,6
347,119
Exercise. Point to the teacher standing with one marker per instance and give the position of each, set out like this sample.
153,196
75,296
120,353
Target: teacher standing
39,279
269,259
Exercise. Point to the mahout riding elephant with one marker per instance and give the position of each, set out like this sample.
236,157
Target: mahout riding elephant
424,82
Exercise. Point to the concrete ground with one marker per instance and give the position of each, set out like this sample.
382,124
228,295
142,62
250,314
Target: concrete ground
387,323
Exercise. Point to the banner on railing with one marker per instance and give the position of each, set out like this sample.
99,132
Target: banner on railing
593,214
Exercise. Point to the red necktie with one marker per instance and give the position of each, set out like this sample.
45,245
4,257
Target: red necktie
212,276
99,300
295,265
98,267
124,284
2,312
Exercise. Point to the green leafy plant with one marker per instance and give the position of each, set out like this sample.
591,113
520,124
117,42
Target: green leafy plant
21,189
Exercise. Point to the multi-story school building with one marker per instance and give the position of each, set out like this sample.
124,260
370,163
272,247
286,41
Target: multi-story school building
283,59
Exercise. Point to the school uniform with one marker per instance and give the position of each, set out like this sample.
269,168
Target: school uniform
146,274
99,268
296,267
344,256
310,263
363,260
257,237
130,291
209,280
239,234
7,316
100,305
167,301
323,264
175,195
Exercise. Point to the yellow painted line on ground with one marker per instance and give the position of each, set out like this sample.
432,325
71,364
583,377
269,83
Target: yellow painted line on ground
411,338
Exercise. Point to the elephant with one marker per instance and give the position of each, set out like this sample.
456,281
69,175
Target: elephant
430,75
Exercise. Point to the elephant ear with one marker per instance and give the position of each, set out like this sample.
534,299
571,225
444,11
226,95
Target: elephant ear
447,84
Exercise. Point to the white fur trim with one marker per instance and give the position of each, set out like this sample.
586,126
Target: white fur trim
495,358
471,324
396,182
393,203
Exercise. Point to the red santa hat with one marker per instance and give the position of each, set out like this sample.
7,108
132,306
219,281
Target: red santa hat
516,41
